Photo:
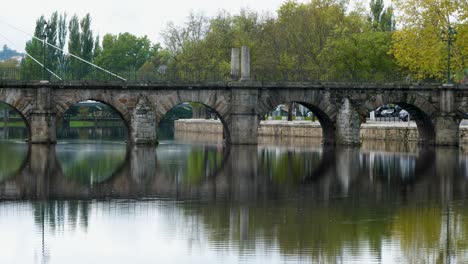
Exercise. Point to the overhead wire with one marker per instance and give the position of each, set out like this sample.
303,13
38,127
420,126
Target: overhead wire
60,49
31,57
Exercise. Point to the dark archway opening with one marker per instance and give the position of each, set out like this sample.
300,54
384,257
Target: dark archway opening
13,125
297,120
92,120
398,121
193,121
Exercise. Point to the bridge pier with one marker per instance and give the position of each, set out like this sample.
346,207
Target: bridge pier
42,119
348,125
143,124
446,123
447,130
43,127
243,120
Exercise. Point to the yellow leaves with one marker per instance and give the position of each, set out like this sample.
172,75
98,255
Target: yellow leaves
421,45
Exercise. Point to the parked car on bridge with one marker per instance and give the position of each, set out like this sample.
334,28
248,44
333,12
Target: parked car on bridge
404,115
388,111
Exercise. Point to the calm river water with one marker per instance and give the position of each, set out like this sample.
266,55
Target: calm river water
191,200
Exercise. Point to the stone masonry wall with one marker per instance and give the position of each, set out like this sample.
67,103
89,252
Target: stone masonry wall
374,131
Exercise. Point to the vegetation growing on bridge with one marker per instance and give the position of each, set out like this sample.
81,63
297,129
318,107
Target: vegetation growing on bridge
319,40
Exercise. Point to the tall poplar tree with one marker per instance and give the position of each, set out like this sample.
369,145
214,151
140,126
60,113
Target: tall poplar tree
62,38
74,47
87,44
30,69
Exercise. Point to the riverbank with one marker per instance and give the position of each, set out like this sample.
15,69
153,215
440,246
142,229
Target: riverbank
394,131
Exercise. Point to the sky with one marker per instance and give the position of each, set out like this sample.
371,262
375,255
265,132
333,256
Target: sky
139,17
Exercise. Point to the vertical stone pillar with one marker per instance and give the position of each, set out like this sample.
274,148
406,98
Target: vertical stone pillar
447,127
42,120
243,119
143,124
348,125
245,64
446,124
235,64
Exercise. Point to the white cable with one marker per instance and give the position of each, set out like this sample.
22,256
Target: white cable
30,56
74,56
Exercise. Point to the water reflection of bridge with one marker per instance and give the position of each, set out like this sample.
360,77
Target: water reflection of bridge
246,174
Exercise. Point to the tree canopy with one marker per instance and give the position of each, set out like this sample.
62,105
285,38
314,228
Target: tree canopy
315,40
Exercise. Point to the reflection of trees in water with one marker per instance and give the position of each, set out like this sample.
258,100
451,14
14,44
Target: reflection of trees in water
334,233
291,165
97,133
90,164
59,216
12,158
314,219
189,165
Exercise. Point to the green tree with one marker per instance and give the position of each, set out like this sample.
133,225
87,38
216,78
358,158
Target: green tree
30,69
61,40
421,44
74,47
87,44
124,52
380,17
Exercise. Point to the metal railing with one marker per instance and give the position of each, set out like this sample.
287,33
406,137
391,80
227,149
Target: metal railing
187,75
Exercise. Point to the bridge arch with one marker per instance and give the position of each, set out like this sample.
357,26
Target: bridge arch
419,108
116,106
317,103
216,101
23,117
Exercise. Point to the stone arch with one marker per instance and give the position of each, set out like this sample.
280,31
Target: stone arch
118,104
462,108
316,101
18,101
214,100
419,108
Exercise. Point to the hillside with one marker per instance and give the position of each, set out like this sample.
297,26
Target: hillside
7,53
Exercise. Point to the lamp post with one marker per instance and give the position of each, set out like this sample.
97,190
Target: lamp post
450,34
44,50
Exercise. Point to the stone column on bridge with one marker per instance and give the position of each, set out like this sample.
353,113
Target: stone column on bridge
447,122
245,64
235,64
243,119
348,125
143,124
42,119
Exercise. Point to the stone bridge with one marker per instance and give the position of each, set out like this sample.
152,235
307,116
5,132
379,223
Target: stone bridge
340,107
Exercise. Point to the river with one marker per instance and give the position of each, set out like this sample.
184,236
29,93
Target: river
192,200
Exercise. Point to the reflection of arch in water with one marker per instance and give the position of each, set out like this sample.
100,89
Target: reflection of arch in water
407,168
116,106
23,164
86,173
304,166
203,163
